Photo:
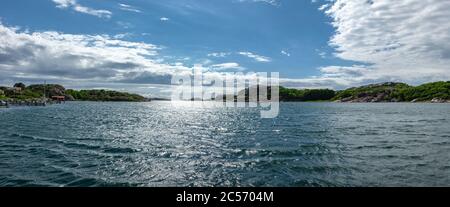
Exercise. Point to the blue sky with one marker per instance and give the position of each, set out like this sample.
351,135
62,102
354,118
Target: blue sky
312,43
197,28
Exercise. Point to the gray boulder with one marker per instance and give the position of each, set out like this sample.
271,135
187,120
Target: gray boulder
69,97
438,100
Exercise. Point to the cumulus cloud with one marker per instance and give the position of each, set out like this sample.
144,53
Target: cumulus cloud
74,5
67,57
258,58
395,40
90,61
390,41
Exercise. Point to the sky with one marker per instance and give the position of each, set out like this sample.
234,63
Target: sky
137,45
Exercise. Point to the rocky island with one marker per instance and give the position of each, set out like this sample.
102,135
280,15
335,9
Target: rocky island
436,92
41,94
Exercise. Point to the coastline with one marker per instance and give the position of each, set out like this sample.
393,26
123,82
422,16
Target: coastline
28,103
388,92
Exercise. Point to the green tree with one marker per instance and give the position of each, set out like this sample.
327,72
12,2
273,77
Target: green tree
20,85
2,94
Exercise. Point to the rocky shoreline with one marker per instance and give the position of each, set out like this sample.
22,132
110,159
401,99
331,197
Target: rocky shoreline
436,92
35,102
377,100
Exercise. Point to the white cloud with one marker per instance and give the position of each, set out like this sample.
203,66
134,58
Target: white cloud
129,8
122,35
66,58
271,2
206,61
219,54
82,61
395,40
164,19
74,5
64,3
321,53
256,57
283,52
324,7
226,66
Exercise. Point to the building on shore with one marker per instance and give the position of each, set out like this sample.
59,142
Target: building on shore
59,99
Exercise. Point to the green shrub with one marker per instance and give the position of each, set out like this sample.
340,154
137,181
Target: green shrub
103,95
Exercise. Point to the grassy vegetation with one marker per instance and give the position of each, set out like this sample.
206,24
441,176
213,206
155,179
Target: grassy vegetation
384,92
2,95
25,95
425,92
49,89
397,92
20,92
104,95
287,94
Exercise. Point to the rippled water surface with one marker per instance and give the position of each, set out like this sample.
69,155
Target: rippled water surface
157,144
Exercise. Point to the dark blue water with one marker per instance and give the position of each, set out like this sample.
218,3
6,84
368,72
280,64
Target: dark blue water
157,144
